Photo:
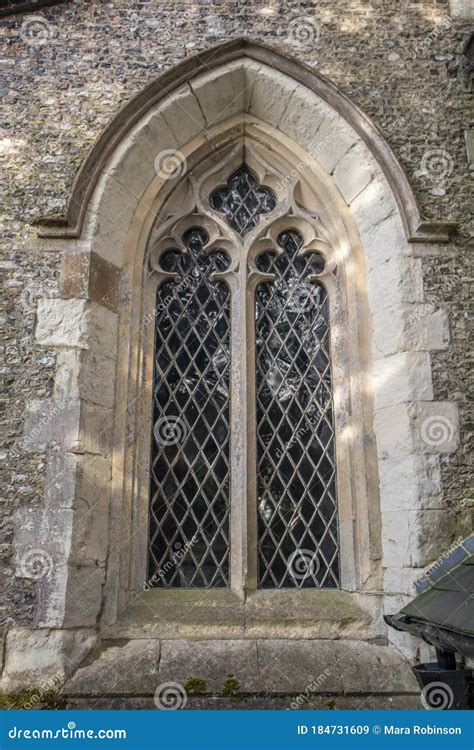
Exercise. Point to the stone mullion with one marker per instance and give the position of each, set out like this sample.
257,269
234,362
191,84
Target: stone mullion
242,462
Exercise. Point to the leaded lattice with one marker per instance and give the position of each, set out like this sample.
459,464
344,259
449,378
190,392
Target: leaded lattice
243,200
297,510
189,509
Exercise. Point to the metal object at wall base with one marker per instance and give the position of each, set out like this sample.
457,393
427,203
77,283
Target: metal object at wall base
458,693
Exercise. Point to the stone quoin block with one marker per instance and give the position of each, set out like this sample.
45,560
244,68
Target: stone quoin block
418,427
405,376
43,658
85,375
404,327
410,482
394,281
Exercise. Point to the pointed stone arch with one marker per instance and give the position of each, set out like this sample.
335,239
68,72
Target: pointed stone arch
245,95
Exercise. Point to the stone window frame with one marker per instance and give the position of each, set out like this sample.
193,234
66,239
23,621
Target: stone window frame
299,207
238,90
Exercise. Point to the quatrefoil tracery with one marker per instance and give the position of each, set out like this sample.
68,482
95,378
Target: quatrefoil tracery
260,233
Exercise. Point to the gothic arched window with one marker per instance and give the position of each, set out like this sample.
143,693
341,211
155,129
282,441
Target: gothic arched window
243,474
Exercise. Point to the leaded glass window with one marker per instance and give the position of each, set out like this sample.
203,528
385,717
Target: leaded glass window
189,512
243,468
297,513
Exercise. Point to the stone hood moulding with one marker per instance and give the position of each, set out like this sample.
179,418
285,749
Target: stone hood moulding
210,61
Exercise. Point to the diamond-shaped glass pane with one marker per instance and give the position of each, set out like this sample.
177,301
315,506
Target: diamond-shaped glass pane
243,200
297,510
189,509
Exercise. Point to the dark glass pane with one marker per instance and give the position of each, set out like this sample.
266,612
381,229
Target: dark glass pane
243,200
297,511
189,510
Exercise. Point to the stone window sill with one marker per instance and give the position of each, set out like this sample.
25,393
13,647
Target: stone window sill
220,613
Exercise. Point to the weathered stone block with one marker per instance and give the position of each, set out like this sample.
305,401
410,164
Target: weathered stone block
84,596
374,669
270,95
410,483
183,115
373,205
333,140
304,667
48,422
62,322
304,114
402,377
431,533
36,657
385,239
406,327
86,275
77,426
355,171
87,375
419,427
395,539
219,93
110,216
401,579
394,281
124,668
211,661
78,324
